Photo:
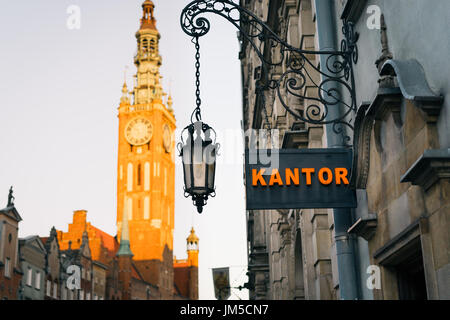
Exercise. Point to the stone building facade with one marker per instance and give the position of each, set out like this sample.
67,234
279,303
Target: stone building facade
53,270
290,254
99,275
10,271
403,175
33,265
399,232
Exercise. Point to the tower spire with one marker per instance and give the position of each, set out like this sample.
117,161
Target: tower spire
192,248
147,59
124,249
192,241
125,98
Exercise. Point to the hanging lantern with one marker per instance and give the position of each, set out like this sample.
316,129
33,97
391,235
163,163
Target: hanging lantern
198,153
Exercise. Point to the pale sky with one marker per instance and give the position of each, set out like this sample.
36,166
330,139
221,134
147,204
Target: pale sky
60,90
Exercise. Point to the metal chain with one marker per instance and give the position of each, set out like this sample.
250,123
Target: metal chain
198,101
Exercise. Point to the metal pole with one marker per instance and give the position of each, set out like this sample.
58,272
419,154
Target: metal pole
342,217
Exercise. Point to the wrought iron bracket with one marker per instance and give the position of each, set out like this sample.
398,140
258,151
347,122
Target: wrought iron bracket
324,87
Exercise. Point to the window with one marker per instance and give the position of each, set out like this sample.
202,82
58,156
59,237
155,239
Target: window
37,282
165,181
147,208
152,46
55,290
7,268
29,276
145,45
83,273
147,176
49,287
88,296
139,174
88,275
81,294
411,278
130,208
130,177
63,293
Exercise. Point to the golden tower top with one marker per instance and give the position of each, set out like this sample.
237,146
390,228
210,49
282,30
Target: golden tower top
192,239
148,87
148,20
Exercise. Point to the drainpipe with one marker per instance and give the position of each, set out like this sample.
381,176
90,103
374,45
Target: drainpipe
342,217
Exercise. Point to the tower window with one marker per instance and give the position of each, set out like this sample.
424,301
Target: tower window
152,46
130,177
139,174
145,45
147,176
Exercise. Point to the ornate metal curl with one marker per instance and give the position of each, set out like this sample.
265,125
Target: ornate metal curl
332,84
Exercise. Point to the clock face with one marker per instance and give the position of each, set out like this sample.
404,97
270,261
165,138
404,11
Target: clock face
138,131
167,138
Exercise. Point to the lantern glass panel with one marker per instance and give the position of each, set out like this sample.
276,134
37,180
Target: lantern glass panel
199,177
211,169
187,163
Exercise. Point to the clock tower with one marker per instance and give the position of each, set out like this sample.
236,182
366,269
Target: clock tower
146,167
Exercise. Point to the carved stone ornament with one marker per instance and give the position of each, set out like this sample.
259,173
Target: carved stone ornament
412,85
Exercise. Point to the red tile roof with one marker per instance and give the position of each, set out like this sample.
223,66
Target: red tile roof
109,242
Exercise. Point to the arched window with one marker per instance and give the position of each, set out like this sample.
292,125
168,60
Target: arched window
152,46
147,176
139,174
145,45
130,177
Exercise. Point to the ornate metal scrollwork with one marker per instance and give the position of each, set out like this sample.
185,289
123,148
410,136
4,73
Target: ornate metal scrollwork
325,87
